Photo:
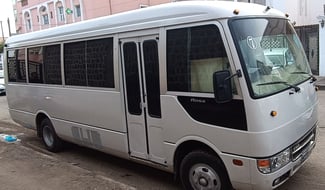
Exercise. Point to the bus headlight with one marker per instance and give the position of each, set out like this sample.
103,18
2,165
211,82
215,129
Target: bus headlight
274,163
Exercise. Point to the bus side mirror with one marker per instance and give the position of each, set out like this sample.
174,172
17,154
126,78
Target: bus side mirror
222,86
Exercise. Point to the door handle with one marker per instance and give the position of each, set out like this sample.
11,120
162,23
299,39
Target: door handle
143,105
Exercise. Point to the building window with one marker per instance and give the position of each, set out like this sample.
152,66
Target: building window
77,10
193,55
45,19
303,8
24,3
16,65
89,63
15,14
29,24
261,2
28,21
60,14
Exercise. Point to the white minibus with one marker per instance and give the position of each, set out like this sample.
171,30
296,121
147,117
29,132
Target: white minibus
185,87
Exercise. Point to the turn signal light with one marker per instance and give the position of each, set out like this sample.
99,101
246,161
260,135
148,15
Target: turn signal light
263,163
274,113
237,162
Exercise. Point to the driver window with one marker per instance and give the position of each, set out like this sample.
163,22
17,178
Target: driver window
193,55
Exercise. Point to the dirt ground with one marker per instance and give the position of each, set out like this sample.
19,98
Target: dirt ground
27,165
24,168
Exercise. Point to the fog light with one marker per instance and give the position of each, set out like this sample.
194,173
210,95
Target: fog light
277,181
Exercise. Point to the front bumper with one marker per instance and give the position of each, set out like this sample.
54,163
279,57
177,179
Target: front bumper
241,179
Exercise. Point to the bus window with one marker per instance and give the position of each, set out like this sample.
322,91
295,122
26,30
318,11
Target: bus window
193,55
52,64
89,63
16,65
35,64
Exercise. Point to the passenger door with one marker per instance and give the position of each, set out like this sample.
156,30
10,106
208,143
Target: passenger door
140,65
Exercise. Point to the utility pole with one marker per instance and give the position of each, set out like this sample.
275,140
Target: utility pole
3,36
8,21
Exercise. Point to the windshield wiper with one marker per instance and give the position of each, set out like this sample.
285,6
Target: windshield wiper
296,88
313,79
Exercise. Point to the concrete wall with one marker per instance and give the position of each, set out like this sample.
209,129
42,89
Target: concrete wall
302,12
305,12
322,49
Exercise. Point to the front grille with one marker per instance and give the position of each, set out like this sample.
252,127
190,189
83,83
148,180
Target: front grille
303,145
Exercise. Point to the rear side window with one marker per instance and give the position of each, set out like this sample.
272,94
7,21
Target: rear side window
89,63
16,65
75,64
44,64
35,64
52,64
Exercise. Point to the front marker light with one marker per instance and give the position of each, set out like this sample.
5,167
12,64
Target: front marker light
274,163
264,166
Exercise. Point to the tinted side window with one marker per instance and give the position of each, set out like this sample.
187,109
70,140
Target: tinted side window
74,63
130,55
52,64
193,55
151,63
89,63
100,71
35,64
16,65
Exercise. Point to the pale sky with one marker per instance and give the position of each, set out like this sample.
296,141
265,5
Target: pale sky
6,11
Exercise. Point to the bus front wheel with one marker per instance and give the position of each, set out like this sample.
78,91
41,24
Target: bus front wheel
201,170
51,141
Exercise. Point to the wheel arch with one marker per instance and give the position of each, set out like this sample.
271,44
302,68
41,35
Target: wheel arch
40,116
190,144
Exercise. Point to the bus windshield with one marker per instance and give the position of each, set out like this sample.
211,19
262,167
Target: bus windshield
271,54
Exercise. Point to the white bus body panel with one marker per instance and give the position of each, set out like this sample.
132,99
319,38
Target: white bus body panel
97,118
96,110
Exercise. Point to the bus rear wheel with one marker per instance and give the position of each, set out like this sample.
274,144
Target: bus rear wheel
50,139
201,170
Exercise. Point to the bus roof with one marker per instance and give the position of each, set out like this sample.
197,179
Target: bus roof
145,18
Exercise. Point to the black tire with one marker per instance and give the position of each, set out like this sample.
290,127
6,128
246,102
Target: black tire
50,139
201,170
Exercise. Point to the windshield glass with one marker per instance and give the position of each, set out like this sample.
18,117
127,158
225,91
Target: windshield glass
271,54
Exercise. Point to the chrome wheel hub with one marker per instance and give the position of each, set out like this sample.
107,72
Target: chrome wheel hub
203,177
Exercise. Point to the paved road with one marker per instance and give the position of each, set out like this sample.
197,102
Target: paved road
26,165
